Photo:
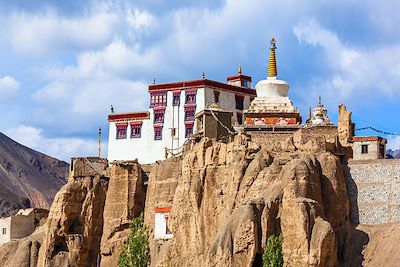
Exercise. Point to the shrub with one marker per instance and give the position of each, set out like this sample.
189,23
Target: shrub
273,252
136,251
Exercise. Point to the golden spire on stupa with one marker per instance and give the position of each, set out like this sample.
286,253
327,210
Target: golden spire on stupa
272,70
240,70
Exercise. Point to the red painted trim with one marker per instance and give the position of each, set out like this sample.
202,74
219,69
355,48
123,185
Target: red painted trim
158,125
159,108
162,210
200,83
129,116
189,122
239,77
122,124
368,138
136,123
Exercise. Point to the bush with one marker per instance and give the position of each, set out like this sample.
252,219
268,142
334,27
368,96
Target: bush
273,252
136,251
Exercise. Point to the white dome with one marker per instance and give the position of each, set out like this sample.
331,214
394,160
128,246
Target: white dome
272,88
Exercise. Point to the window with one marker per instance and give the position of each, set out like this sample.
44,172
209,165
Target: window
4,231
239,102
121,131
239,117
190,113
159,116
158,99
136,130
161,228
190,97
176,98
173,132
364,149
188,130
245,83
157,133
216,96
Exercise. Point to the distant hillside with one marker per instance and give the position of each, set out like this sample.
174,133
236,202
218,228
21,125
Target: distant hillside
27,178
393,153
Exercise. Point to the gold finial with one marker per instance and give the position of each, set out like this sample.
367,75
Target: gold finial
272,70
240,70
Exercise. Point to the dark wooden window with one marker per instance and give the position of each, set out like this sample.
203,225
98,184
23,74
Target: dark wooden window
136,130
190,98
364,149
121,131
159,116
4,231
216,96
239,118
188,130
239,102
157,133
158,99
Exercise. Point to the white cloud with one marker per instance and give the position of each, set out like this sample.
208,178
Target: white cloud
52,92
37,34
8,87
354,71
62,148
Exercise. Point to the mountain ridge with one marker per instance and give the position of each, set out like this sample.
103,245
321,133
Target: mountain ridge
29,178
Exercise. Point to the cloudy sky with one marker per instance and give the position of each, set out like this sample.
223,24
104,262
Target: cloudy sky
63,63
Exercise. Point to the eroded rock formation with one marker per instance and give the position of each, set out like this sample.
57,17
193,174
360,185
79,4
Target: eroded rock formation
75,221
124,201
231,196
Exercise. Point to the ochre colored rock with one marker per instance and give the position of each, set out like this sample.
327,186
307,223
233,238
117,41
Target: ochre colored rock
75,222
125,200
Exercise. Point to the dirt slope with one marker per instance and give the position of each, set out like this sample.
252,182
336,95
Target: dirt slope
28,178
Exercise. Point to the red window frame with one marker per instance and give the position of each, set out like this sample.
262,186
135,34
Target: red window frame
121,130
158,99
190,113
157,133
190,96
176,98
159,116
136,130
188,130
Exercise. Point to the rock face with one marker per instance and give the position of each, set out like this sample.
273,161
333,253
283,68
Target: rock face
75,221
124,200
231,196
28,178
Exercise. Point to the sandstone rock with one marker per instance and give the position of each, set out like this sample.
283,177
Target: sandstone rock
125,200
75,221
230,197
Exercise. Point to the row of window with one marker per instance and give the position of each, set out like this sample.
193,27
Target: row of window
136,131
160,98
190,114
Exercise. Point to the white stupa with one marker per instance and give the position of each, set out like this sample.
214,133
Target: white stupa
319,116
272,105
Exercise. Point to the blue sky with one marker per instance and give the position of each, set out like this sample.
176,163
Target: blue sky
63,63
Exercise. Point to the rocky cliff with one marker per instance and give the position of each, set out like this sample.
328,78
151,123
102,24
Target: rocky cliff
226,199
28,178
231,196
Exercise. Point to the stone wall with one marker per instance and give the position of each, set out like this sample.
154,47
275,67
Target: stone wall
374,191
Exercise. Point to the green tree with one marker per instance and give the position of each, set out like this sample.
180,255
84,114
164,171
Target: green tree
136,251
273,252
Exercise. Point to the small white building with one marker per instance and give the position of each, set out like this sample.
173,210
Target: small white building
369,147
17,226
169,122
